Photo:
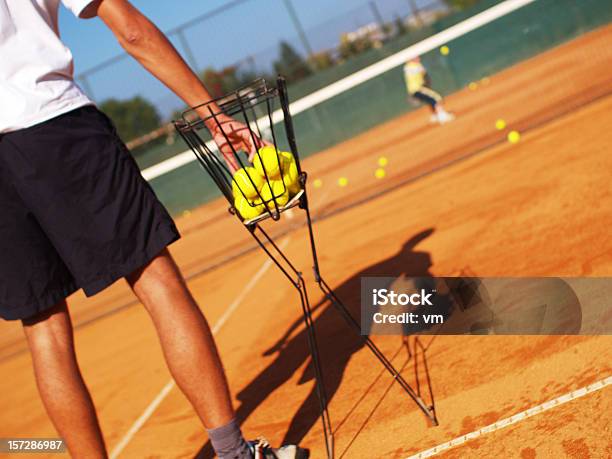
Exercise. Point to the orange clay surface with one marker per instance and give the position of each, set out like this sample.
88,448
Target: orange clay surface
541,207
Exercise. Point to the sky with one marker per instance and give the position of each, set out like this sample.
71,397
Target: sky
252,29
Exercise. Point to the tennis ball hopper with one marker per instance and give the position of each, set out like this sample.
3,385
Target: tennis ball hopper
265,111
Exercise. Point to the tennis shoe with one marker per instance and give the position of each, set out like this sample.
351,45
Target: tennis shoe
261,449
445,117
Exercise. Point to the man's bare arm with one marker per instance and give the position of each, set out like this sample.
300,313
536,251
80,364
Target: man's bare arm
148,45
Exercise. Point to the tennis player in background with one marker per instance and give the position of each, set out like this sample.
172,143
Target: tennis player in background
418,85
76,213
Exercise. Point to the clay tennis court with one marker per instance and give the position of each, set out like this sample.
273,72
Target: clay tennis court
457,198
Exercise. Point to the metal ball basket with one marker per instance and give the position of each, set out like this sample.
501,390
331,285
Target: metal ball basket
266,113
256,105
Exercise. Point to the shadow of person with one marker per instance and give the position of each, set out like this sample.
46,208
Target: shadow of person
337,343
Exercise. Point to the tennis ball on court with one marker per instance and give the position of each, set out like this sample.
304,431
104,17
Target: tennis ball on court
268,161
473,86
514,137
342,181
317,183
275,191
244,186
383,161
380,173
248,208
500,124
444,50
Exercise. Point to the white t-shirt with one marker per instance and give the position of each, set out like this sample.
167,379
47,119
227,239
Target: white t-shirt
36,69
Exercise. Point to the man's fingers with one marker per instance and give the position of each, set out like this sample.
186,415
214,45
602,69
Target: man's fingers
240,137
230,158
251,141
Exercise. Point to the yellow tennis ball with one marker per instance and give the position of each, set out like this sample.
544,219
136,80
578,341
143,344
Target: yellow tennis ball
514,137
288,165
444,50
317,183
292,184
380,173
294,189
500,124
288,156
342,181
383,161
473,86
275,191
267,160
246,182
290,172
247,208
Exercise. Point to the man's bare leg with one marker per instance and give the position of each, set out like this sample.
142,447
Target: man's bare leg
186,339
61,386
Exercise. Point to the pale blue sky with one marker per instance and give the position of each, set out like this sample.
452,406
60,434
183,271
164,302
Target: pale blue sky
252,29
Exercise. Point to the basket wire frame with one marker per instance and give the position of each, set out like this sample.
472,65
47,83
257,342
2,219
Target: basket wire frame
243,105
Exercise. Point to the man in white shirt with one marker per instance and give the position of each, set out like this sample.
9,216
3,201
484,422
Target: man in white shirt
78,214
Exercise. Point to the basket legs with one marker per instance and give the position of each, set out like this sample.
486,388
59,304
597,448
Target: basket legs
296,279
329,293
316,363
352,322
290,271
342,309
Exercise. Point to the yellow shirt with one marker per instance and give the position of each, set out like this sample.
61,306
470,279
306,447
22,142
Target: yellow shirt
414,74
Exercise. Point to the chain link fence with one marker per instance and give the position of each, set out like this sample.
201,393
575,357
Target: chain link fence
537,27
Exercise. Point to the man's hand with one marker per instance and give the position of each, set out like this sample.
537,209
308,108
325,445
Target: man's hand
231,133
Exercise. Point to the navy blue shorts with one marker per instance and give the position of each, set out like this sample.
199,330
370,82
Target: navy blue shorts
428,96
76,213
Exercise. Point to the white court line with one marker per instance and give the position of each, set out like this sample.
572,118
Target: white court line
359,77
148,412
514,419
144,417
322,199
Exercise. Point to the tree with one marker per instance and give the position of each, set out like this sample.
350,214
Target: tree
400,26
291,64
247,77
219,83
353,45
322,60
387,30
346,49
214,81
460,4
133,117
